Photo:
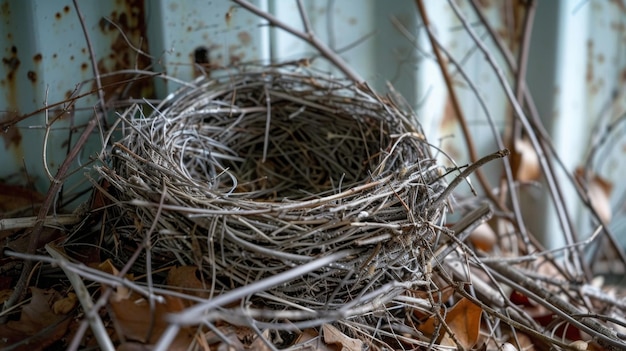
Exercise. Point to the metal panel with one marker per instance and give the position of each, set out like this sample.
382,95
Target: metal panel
181,30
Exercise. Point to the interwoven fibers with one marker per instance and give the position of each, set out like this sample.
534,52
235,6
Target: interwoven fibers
253,173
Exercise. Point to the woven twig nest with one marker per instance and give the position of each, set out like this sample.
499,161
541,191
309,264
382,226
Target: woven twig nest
253,173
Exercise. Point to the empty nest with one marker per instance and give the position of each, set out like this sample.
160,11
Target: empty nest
255,172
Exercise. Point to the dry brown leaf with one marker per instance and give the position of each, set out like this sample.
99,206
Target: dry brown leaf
599,192
5,294
334,336
310,339
185,278
483,237
15,197
524,161
107,266
600,199
463,320
135,319
38,324
65,305
258,344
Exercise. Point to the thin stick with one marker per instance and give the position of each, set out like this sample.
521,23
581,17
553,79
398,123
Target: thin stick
308,37
190,315
97,327
458,112
55,186
94,63
466,172
563,215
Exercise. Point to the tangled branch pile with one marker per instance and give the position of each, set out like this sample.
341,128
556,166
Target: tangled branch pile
253,173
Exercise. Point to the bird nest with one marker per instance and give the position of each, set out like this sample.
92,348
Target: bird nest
254,173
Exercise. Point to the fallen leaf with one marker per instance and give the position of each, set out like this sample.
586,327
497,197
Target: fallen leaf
483,237
579,345
599,191
38,327
524,161
138,322
15,197
463,320
258,344
65,305
334,336
5,294
107,266
310,339
184,278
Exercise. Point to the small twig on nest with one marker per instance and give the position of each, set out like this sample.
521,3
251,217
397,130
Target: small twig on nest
309,37
466,172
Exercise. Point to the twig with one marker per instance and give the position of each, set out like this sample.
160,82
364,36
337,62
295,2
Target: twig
29,222
308,37
522,283
94,63
519,221
469,140
55,186
522,63
97,327
563,215
466,172
192,314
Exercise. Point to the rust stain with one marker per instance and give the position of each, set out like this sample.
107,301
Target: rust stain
448,122
32,76
234,57
129,17
11,136
58,15
228,17
37,58
66,9
244,38
620,4
12,63
589,74
84,66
